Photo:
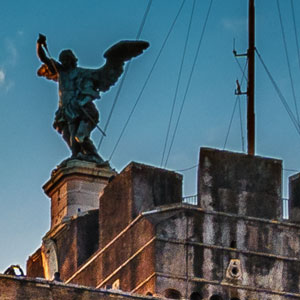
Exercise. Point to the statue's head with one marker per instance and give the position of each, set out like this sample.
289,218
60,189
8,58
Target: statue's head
68,59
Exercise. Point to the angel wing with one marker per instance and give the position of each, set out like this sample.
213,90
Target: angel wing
116,56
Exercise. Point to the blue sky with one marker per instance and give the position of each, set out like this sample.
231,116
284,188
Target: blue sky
31,148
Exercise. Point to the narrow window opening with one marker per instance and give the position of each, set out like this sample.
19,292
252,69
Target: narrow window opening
215,297
172,294
196,296
233,244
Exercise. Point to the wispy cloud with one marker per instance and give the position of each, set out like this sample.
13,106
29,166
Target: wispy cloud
12,53
235,25
9,61
2,76
5,83
9,85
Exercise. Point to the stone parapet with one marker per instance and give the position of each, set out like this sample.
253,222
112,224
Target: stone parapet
240,184
22,288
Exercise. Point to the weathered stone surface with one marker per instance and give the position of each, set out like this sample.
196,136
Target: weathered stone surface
136,189
240,184
128,258
34,265
202,244
16,288
75,241
294,198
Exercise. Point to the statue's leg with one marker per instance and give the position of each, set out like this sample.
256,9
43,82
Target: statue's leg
89,148
66,135
73,144
83,131
83,137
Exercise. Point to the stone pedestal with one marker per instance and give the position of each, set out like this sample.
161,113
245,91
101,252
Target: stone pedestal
74,188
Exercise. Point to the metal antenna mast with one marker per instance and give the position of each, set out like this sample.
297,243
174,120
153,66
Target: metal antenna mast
251,79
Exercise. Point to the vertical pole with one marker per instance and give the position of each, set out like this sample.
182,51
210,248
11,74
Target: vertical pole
251,78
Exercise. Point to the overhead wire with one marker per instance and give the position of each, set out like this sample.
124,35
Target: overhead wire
242,70
244,76
147,79
290,170
189,80
178,81
230,122
114,103
125,74
295,31
281,97
240,112
144,20
239,101
288,61
241,126
187,169
234,108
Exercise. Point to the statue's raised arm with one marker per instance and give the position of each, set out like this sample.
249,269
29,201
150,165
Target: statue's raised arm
50,67
77,115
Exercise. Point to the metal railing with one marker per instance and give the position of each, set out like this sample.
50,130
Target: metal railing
285,208
193,200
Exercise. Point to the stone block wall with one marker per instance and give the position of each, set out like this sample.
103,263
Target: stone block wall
226,254
240,184
129,259
77,243
136,189
74,243
34,265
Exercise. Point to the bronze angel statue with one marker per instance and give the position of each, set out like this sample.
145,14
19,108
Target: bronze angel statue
77,115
